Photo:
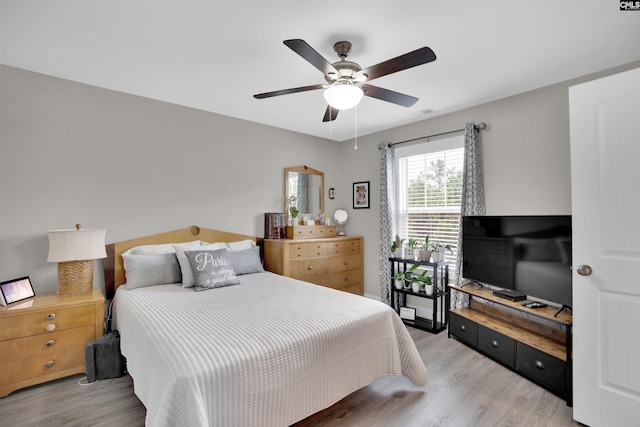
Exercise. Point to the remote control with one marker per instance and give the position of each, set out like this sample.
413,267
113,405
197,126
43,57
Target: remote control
534,304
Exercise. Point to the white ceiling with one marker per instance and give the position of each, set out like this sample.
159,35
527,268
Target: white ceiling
214,55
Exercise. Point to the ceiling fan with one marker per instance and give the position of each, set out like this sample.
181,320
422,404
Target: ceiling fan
347,81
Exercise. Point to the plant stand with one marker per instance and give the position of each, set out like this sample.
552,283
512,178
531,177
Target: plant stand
439,318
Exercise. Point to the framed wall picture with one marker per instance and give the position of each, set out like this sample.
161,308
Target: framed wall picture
361,195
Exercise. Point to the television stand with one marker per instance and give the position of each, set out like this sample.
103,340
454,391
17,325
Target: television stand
534,343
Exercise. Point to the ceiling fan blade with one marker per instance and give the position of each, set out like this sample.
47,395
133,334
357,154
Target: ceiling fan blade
287,91
303,49
331,114
389,95
399,63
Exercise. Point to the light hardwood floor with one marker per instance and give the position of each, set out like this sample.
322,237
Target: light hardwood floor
464,389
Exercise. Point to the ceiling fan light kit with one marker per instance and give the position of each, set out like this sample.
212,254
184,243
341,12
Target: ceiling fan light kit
343,95
347,80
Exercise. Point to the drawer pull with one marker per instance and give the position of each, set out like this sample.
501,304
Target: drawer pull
51,327
346,263
51,316
495,343
50,343
463,328
539,364
50,364
310,267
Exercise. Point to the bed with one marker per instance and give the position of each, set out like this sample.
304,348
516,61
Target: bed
269,351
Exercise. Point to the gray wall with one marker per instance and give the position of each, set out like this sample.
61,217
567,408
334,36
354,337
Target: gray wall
524,152
72,153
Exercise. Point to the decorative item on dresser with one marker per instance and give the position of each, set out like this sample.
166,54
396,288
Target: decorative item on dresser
44,338
74,251
335,262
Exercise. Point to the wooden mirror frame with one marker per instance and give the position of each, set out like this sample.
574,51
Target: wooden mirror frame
306,170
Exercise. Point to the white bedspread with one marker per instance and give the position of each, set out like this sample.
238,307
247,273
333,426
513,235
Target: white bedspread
268,352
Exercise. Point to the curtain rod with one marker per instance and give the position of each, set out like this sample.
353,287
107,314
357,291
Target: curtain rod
479,126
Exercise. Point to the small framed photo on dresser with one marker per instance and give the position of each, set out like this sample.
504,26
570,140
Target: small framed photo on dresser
361,195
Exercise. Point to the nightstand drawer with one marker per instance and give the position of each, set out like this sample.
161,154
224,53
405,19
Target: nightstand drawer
497,346
541,367
42,344
43,365
464,329
46,321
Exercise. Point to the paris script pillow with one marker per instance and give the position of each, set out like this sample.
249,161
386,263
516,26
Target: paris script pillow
211,269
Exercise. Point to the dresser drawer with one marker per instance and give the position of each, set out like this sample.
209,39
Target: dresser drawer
541,367
42,365
345,278
464,329
45,321
344,263
352,247
497,346
318,249
299,251
308,267
45,344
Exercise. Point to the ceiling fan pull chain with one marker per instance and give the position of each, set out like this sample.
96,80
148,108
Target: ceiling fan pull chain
355,127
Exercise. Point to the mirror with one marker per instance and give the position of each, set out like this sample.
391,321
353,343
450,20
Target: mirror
341,217
307,186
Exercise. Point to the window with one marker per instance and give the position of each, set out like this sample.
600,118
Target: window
429,191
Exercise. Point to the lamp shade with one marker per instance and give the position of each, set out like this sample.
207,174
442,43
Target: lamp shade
76,245
343,96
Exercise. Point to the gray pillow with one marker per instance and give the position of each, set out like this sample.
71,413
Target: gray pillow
150,270
211,269
246,261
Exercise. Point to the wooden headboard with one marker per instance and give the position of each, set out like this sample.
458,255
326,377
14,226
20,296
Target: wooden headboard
114,267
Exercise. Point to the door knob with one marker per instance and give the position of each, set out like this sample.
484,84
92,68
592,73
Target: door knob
584,270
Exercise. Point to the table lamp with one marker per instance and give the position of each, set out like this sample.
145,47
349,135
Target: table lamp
74,251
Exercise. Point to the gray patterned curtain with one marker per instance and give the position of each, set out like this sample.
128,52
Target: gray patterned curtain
387,218
472,197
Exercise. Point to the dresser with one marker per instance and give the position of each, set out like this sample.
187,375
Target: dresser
335,262
44,338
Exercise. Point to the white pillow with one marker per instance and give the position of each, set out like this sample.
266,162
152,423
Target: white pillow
240,245
166,248
188,280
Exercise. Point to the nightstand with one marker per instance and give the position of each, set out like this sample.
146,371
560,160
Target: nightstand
44,338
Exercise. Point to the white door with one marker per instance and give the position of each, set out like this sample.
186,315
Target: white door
605,176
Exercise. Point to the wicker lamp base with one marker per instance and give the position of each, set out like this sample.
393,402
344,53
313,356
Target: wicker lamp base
75,277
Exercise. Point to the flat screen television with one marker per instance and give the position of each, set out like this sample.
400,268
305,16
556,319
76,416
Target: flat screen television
530,254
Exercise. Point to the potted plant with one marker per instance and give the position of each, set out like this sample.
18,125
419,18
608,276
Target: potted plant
412,251
439,250
398,280
410,278
397,244
294,215
425,251
426,283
